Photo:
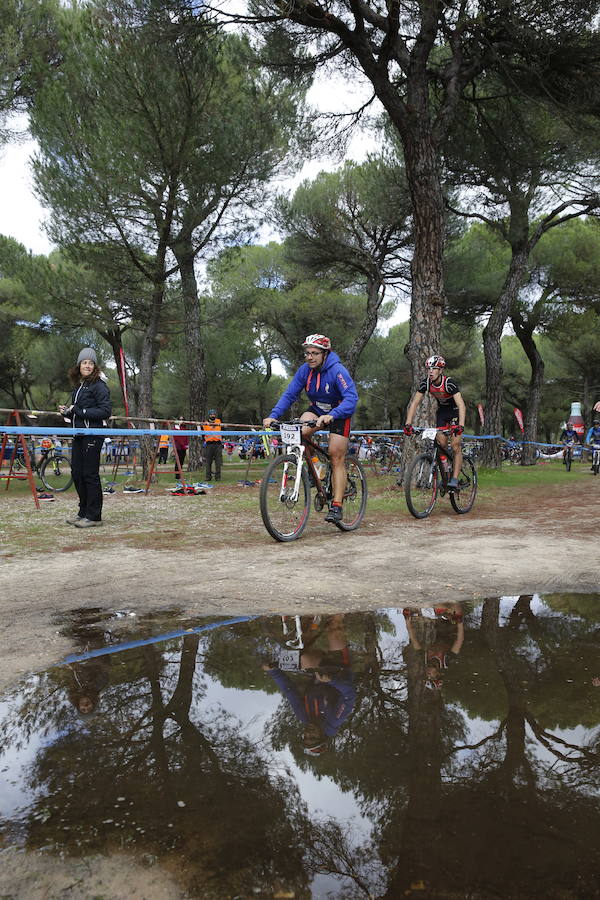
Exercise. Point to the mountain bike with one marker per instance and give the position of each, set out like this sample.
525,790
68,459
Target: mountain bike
53,468
568,456
285,497
595,448
428,475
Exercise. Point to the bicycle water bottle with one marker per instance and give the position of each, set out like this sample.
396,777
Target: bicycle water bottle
576,419
445,463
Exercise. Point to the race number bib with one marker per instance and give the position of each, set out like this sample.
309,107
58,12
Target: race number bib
429,434
289,660
291,435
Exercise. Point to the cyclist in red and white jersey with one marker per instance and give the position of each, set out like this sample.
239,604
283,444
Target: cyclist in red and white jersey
451,411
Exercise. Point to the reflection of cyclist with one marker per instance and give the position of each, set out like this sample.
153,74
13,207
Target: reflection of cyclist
333,399
326,703
443,647
451,410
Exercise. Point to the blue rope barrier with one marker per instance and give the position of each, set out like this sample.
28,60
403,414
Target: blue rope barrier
155,432
144,642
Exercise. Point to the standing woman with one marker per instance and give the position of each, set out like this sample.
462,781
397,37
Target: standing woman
90,408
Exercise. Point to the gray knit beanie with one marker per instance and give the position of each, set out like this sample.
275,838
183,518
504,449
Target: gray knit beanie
87,353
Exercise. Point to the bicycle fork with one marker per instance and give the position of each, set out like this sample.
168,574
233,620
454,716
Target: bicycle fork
284,495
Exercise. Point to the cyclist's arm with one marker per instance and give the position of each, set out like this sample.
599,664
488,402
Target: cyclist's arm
412,635
414,403
290,395
460,637
462,409
284,683
345,385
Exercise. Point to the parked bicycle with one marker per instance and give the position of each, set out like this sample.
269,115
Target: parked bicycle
52,467
386,459
285,497
428,475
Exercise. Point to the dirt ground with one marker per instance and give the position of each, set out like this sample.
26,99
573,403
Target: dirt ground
203,555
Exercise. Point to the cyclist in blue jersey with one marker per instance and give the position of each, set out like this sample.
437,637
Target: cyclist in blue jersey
451,411
593,435
333,399
569,435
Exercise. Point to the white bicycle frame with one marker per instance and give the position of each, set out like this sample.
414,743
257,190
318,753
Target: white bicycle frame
291,436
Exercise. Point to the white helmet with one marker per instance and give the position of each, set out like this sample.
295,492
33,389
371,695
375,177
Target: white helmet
317,340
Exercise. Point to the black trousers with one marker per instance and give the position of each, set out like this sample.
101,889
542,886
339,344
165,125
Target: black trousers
179,455
85,467
213,452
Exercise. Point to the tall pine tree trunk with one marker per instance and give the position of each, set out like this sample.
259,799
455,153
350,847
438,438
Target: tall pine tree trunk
148,359
427,296
193,342
524,332
492,337
375,295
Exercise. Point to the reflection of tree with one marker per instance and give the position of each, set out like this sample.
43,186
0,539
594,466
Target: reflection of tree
507,807
161,771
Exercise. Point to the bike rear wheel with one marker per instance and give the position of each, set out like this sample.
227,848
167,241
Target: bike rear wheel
355,496
421,485
55,473
284,518
462,501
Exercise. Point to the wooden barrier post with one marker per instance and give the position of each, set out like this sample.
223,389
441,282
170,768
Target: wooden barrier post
19,439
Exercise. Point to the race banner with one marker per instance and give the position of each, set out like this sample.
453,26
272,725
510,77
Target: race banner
519,418
481,414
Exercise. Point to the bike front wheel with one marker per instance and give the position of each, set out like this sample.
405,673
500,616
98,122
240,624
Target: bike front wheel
55,473
421,486
284,518
355,496
567,461
462,501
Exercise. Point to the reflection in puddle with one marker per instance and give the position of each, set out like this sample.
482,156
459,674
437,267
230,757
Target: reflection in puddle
445,752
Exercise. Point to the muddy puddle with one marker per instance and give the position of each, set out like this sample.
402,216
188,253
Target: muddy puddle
444,752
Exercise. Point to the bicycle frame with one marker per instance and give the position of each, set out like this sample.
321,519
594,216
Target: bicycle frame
298,450
438,450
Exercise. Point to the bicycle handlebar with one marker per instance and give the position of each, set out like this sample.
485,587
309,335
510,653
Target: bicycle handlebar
309,424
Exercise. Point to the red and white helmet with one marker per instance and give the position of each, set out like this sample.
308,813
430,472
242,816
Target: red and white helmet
435,362
317,340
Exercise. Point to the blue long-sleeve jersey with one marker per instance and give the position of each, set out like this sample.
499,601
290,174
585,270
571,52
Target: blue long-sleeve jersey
331,390
593,435
327,704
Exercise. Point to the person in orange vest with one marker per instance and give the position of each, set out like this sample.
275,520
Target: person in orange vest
213,446
163,449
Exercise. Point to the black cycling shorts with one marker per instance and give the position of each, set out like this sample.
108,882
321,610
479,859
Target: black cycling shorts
446,415
338,426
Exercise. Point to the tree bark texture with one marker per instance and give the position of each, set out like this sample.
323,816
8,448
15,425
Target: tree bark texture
427,293
375,295
194,345
148,359
492,336
524,331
